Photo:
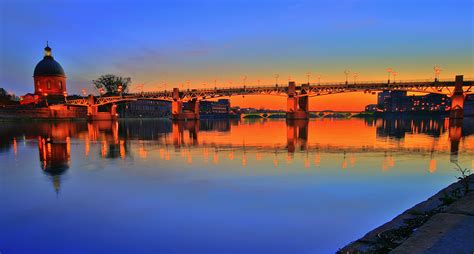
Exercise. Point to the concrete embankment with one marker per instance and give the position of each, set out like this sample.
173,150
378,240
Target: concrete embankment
52,112
443,223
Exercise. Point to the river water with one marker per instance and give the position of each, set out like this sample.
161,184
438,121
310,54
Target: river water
227,186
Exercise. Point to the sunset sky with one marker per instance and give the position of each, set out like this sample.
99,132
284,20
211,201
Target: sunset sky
157,42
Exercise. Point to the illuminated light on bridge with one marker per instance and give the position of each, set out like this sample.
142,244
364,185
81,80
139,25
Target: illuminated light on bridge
297,96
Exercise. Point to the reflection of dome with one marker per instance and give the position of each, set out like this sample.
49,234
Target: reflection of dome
48,66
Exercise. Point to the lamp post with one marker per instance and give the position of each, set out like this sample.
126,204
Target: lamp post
389,71
394,74
319,79
46,99
308,75
276,79
119,89
355,75
347,72
101,91
65,96
437,71
84,92
187,83
244,78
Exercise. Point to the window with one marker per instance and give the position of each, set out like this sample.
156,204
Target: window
60,85
49,85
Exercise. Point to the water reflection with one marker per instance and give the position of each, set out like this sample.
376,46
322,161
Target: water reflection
207,180
228,139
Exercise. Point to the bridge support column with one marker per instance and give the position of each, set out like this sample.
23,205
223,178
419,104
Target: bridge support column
457,99
93,113
297,105
190,113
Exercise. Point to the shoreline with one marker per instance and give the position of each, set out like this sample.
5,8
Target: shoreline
396,235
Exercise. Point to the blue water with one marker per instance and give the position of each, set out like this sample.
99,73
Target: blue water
149,187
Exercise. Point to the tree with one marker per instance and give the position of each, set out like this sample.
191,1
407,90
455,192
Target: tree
110,83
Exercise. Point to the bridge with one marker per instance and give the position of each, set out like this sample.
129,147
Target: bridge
297,96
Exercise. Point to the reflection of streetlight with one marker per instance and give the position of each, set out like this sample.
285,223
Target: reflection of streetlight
346,72
276,78
389,71
394,74
437,71
308,75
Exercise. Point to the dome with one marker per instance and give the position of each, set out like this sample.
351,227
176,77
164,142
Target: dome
48,66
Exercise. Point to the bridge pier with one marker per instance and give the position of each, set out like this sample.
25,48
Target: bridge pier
93,113
457,99
191,112
297,104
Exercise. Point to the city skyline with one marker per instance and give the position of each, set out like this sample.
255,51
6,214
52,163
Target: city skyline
304,37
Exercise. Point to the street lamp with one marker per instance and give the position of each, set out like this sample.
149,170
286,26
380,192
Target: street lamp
319,79
437,71
276,79
244,78
394,74
46,99
187,83
308,75
119,90
347,72
65,96
389,71
101,91
355,76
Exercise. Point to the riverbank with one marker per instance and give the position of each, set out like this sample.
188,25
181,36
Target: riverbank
443,223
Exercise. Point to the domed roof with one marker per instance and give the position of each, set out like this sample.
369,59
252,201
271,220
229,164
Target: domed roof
48,66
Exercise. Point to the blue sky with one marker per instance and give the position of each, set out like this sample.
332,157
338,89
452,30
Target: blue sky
154,42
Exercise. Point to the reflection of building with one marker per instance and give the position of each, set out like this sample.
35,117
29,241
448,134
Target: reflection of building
398,127
54,158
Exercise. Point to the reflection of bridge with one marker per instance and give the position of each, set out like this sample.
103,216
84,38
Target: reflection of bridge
297,96
113,139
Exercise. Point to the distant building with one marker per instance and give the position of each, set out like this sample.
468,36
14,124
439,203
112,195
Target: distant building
399,101
469,105
218,109
145,108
